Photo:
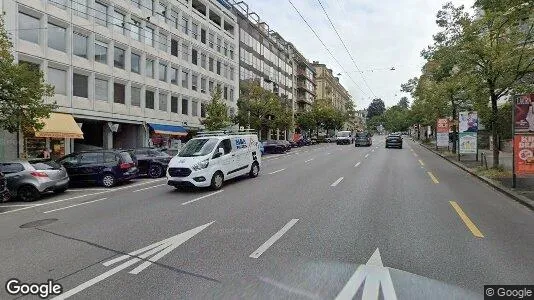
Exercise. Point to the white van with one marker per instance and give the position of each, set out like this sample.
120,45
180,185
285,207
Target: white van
344,137
213,157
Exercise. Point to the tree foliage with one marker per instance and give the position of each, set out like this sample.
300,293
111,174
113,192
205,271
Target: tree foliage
376,108
216,112
22,91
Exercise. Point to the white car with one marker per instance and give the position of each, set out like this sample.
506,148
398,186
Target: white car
344,137
210,159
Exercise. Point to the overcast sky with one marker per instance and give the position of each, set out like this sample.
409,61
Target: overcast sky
379,33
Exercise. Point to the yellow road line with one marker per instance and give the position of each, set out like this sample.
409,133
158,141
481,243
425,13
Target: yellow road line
421,162
467,221
434,179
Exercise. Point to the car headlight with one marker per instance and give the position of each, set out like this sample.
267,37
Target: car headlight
201,165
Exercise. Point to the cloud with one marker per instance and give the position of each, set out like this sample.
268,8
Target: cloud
379,34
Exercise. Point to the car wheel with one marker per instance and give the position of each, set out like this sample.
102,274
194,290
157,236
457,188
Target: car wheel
155,171
217,180
61,190
254,170
108,180
28,193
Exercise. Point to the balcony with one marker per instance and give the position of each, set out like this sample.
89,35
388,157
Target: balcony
302,98
302,74
301,86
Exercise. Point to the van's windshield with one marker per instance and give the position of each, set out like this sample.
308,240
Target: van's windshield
343,134
198,147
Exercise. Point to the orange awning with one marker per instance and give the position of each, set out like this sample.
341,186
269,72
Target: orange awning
60,125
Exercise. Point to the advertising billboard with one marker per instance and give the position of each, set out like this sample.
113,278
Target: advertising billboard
442,133
468,121
468,142
523,114
467,128
524,154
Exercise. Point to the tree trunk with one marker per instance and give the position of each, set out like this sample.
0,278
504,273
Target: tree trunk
494,133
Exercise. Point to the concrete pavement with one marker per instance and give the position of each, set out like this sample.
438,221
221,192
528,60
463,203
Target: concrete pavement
301,230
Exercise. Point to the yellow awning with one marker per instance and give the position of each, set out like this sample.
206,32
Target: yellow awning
60,125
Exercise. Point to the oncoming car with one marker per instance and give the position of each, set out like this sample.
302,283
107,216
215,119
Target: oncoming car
212,158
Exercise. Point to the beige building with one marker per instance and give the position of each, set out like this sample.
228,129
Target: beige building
328,88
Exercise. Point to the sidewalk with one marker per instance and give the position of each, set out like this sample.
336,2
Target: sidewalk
501,180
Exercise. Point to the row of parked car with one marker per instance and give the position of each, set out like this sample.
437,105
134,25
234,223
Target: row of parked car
281,146
28,179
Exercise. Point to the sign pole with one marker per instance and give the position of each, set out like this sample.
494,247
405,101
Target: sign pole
513,144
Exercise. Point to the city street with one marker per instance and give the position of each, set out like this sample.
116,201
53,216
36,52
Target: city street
315,223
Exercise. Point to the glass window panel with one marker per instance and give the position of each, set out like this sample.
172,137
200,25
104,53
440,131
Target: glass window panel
57,37
79,42
79,85
149,99
101,52
27,31
58,78
136,63
101,89
136,96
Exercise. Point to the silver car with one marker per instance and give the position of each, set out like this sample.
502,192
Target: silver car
27,180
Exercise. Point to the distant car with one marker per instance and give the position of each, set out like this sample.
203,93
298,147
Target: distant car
394,140
287,144
152,162
363,139
27,180
4,192
274,146
103,167
294,144
313,141
344,137
330,139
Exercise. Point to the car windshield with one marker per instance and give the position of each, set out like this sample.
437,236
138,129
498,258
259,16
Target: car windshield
362,134
343,134
198,147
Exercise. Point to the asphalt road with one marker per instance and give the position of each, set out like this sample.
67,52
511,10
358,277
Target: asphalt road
321,222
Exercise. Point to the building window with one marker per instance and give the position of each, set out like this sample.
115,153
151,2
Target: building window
202,110
57,37
174,104
118,22
232,52
185,25
185,52
79,85
162,72
194,56
58,78
219,44
174,75
174,47
162,42
203,60
210,86
185,79
231,94
194,108
101,14
225,71
162,102
79,8
231,73
79,45
59,3
194,82
211,38
149,36
148,6
118,93
101,52
185,109
203,85
149,70
149,99
225,50
161,11
225,93
27,25
173,18
101,89
218,68
135,30
210,64
203,35
194,30
118,58
136,96
135,63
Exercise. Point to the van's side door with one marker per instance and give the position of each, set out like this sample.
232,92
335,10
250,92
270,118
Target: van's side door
227,160
241,147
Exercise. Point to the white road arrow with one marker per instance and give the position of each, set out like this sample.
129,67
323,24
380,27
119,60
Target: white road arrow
156,250
372,275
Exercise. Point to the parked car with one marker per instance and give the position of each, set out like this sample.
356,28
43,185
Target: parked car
27,180
152,162
103,167
363,139
344,137
273,146
286,144
4,192
313,141
394,140
294,144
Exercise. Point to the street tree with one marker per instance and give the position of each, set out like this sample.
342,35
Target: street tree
216,112
376,108
22,91
404,103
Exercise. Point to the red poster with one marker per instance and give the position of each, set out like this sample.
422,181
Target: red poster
524,154
524,113
443,126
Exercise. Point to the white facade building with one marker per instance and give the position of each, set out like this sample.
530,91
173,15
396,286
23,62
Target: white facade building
129,63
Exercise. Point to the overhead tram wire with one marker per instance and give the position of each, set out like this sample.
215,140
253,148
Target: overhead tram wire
345,46
327,49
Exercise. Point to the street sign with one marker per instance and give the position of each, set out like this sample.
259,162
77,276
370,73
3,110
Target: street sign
148,255
372,275
442,133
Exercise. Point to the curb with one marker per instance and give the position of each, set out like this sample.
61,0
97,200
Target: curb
499,187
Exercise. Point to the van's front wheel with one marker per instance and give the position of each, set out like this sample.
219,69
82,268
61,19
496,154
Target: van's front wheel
254,170
217,180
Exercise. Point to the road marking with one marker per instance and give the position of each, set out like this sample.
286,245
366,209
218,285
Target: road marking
434,179
83,196
367,155
16,205
467,221
372,275
158,250
86,190
356,165
337,181
328,153
274,172
373,150
202,197
309,160
415,154
273,239
74,205
150,187
421,162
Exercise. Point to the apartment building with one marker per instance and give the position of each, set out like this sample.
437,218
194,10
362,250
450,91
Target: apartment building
328,87
126,73
304,76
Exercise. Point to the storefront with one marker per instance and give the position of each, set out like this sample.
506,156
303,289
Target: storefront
53,140
168,137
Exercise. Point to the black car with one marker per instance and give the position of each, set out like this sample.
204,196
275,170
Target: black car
4,192
394,140
363,139
274,146
103,167
286,144
152,162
